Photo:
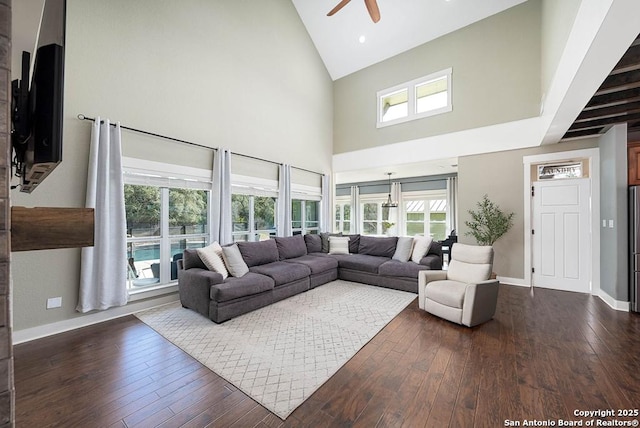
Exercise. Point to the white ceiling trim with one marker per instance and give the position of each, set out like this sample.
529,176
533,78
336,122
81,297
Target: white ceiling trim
505,136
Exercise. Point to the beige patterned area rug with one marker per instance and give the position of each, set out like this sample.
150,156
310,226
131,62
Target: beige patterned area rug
281,354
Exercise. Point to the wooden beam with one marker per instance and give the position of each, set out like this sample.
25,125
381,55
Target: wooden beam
629,61
614,98
602,113
607,121
619,82
48,228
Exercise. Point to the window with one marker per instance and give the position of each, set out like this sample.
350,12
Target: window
161,223
305,216
426,217
343,217
423,97
375,218
253,217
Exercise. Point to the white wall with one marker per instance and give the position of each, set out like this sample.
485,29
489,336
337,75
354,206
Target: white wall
496,79
240,74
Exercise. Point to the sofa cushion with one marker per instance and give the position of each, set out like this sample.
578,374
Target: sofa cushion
291,246
247,285
403,249
378,246
315,263
313,242
259,253
360,262
324,237
233,261
403,269
448,293
191,259
282,272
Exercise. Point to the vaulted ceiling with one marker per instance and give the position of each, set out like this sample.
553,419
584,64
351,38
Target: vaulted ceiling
616,101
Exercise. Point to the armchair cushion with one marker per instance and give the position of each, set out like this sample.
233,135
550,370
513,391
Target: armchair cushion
447,292
470,263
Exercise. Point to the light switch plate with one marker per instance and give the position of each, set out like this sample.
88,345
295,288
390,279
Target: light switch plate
54,302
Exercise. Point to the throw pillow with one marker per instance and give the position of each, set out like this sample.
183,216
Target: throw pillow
234,261
338,245
192,259
421,245
211,256
403,249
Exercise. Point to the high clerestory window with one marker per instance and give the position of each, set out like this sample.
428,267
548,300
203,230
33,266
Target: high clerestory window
423,97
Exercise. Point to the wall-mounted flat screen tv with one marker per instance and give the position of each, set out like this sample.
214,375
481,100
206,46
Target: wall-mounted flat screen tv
37,101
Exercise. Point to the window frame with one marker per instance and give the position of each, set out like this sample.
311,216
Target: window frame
411,88
140,172
339,220
426,197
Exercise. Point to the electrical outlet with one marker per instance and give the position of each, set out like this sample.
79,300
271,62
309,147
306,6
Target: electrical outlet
54,302
611,224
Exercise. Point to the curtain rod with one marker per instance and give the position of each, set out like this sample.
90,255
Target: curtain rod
177,140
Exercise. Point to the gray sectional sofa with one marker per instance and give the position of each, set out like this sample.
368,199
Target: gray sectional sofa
285,266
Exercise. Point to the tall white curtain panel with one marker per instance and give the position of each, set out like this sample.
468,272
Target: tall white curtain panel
103,272
325,213
354,226
284,201
452,204
221,197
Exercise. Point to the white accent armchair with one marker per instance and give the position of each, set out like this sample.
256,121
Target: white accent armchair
463,294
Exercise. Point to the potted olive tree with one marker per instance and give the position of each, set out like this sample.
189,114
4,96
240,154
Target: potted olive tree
488,223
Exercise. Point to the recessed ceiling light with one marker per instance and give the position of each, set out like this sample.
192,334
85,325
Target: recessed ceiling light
362,39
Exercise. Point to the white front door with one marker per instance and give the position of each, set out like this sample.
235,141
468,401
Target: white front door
561,234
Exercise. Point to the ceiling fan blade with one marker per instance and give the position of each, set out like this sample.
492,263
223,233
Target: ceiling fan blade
338,7
372,7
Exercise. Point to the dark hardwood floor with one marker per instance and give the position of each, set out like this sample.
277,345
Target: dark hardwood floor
544,355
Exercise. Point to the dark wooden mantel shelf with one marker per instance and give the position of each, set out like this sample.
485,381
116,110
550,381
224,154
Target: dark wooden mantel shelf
45,228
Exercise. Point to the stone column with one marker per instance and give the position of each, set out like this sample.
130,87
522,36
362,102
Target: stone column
7,392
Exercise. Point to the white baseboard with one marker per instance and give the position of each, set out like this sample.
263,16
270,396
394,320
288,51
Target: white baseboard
28,334
520,282
615,304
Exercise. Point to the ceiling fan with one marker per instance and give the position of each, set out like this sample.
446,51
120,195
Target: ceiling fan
372,7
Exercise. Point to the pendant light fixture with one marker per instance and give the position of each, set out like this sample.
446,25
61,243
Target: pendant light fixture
389,203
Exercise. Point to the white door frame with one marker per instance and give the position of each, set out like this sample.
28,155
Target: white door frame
593,155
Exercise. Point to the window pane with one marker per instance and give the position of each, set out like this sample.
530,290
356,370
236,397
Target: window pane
385,213
415,228
311,213
177,248
144,263
239,213
187,211
369,228
142,206
394,105
415,216
337,225
438,231
370,212
346,226
264,213
337,212
296,214
431,95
